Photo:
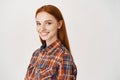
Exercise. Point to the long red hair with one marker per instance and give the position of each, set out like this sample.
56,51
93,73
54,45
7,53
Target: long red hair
62,33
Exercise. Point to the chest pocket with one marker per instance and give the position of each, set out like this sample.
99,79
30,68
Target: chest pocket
47,69
46,73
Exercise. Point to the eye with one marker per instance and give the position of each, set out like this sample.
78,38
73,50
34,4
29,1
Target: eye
38,24
49,23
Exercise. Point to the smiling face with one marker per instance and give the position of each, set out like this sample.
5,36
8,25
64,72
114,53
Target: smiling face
47,27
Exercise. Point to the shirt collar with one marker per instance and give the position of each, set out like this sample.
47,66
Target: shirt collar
52,46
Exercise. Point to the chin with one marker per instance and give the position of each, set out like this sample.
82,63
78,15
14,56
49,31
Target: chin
44,38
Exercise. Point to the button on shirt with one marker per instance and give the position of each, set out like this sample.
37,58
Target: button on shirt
52,63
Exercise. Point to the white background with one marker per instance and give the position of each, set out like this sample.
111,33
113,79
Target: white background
93,28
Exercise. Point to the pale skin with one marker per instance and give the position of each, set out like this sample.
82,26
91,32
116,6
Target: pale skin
47,27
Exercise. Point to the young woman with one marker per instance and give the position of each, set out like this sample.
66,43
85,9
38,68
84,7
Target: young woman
53,60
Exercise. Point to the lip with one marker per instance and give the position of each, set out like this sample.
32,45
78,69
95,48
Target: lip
44,33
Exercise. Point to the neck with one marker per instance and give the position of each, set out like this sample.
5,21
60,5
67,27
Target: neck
48,42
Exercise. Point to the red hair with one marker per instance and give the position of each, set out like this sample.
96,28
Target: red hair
62,33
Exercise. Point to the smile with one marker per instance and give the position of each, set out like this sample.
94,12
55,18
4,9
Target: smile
44,33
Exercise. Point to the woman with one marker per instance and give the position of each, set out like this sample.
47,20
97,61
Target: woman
53,61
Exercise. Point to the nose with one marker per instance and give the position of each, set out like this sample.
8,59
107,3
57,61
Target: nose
41,28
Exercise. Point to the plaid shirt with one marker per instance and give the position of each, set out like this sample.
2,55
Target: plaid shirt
52,63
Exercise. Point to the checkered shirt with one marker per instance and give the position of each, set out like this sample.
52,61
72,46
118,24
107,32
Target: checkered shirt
52,63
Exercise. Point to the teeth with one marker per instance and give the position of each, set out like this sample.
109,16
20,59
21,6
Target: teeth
44,33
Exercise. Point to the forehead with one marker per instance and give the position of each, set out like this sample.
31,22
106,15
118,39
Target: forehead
42,16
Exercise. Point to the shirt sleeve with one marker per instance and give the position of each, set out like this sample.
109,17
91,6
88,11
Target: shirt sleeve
66,70
31,67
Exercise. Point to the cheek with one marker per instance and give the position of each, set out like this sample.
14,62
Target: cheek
53,27
54,30
37,29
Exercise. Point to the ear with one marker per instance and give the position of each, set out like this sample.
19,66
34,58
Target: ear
60,24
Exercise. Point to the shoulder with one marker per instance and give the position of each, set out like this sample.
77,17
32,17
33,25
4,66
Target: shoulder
65,54
36,52
34,57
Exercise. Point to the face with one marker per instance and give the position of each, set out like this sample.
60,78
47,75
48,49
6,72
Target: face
47,26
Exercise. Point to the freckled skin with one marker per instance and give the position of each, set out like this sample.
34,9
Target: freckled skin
47,27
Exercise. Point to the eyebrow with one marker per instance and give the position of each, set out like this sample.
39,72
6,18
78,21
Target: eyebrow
45,20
